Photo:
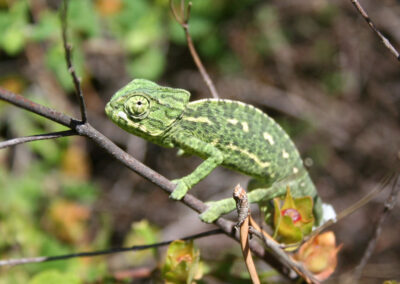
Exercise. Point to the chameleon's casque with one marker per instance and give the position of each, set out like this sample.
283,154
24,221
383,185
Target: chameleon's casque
223,132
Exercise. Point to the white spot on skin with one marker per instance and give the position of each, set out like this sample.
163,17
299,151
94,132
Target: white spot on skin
198,119
233,121
269,138
295,170
302,184
122,115
245,126
285,155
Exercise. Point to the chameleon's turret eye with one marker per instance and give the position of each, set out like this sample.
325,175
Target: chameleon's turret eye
137,106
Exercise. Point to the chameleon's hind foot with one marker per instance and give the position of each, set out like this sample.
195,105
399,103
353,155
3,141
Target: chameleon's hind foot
180,189
216,209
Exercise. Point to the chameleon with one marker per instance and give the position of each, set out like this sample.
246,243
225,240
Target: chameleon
223,132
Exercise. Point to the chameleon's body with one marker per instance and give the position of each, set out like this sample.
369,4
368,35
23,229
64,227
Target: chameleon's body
223,132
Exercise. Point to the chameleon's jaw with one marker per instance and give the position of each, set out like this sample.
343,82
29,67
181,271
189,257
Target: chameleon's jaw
109,110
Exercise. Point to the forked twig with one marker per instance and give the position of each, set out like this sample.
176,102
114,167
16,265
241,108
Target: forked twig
389,205
384,40
39,259
184,22
71,69
20,140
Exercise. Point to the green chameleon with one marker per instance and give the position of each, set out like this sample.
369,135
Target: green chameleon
222,132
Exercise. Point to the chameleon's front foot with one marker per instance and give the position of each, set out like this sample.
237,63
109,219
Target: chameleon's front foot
180,189
216,209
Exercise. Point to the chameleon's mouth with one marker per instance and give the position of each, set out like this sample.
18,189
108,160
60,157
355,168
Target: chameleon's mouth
109,110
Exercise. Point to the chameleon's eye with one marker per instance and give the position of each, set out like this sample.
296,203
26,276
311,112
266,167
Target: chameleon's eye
137,107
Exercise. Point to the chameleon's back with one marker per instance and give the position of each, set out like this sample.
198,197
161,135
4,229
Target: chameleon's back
252,142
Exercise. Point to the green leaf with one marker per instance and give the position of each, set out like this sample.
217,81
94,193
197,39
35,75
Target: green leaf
141,233
47,27
149,65
53,276
83,18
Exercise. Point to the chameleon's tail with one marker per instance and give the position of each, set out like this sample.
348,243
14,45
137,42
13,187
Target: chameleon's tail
323,211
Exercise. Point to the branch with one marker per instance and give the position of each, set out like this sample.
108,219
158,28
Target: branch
28,105
39,259
285,258
71,69
20,140
184,22
85,129
389,205
384,40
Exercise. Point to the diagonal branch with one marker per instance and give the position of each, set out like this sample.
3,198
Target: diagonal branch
384,40
183,20
20,140
41,110
71,69
189,200
39,259
389,205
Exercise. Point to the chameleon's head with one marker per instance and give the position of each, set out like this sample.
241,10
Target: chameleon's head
145,108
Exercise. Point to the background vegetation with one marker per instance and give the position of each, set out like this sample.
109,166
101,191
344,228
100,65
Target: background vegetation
313,65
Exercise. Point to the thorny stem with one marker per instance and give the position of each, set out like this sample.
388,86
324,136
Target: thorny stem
384,40
71,69
184,22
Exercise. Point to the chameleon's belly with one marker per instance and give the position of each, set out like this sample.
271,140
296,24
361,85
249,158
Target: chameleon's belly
251,142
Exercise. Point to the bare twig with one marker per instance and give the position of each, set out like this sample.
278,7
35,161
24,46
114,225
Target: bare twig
352,208
20,140
389,205
71,69
183,20
242,205
19,261
189,200
384,40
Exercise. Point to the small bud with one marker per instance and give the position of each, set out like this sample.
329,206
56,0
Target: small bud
319,255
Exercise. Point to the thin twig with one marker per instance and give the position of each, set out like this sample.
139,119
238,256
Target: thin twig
71,69
19,261
183,20
189,200
384,40
389,205
20,140
243,209
352,208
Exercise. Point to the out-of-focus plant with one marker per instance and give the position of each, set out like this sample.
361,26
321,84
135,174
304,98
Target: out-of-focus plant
319,255
182,263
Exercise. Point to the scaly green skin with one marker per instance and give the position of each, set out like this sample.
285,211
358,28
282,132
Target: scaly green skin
223,132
